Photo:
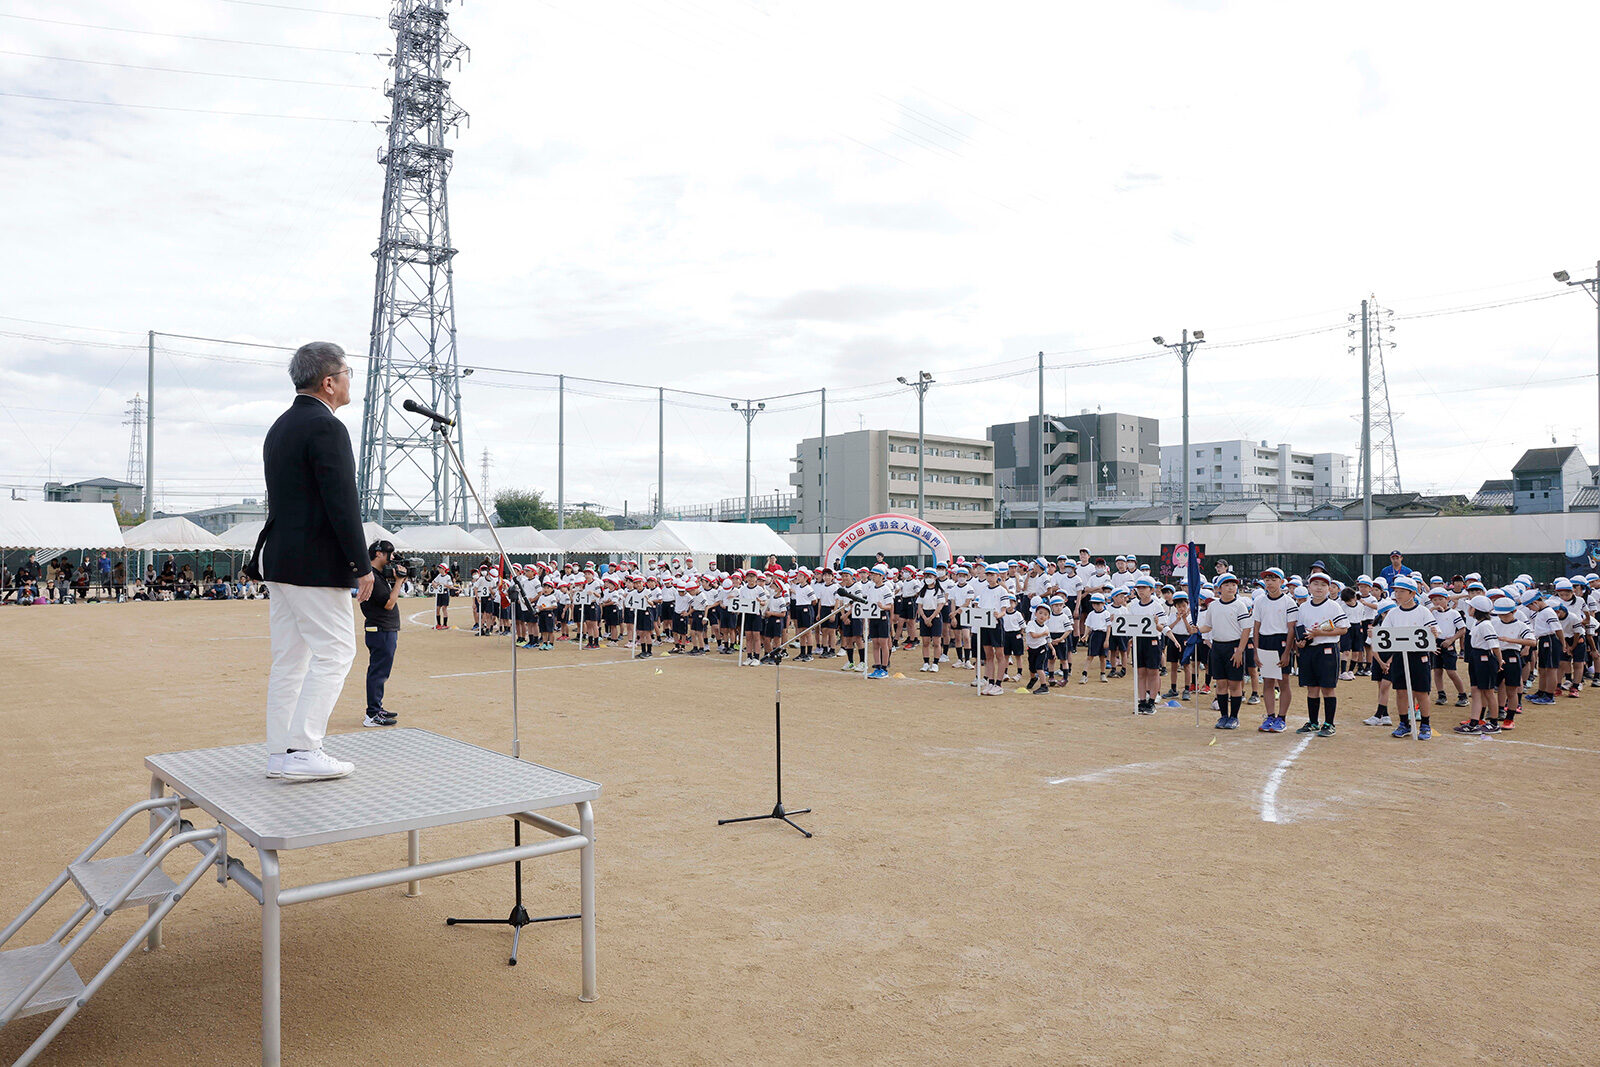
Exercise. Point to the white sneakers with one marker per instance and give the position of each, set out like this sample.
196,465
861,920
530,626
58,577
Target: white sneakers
933,668
275,765
1376,720
310,765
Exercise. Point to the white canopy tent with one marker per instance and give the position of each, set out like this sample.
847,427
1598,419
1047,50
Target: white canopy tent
49,524
702,539
521,540
242,536
632,541
440,539
586,541
172,534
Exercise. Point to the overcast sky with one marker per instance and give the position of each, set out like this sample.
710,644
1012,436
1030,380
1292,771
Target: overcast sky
752,198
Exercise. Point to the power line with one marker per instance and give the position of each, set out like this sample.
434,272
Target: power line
187,36
186,70
1484,307
309,10
190,110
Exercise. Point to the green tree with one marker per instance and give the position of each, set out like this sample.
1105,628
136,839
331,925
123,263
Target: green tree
588,518
126,518
524,507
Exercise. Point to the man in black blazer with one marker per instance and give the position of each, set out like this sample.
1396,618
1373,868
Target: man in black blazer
311,552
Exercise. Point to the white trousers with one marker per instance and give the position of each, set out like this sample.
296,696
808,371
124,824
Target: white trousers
313,646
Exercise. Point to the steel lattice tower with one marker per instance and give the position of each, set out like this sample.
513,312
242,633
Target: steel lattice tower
405,475
135,413
1385,460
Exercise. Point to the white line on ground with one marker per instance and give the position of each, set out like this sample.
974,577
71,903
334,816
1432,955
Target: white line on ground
1538,744
1269,796
546,667
243,637
1108,772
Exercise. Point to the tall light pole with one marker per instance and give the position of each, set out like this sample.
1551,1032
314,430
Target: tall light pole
1592,287
920,383
1185,350
749,411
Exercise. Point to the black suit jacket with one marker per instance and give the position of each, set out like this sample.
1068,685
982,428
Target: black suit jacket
313,534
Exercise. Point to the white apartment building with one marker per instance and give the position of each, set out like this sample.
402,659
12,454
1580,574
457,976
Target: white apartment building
874,471
1281,475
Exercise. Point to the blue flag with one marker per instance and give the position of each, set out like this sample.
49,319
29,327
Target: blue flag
1193,582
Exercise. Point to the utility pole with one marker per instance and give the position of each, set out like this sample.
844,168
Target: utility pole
1592,287
561,452
749,411
822,504
661,449
1185,351
921,383
150,432
1039,458
1366,442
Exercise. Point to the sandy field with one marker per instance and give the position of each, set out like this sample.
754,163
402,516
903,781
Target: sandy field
993,880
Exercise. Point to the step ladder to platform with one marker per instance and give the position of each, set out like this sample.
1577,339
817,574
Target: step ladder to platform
41,978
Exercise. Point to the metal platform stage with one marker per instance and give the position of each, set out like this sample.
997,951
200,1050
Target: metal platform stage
406,781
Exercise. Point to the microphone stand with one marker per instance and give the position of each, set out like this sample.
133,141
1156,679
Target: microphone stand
519,914
778,811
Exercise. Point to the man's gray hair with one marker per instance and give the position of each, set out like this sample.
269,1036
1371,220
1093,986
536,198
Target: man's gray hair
314,362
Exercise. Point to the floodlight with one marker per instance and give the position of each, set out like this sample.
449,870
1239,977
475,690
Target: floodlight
1199,335
734,406
761,406
1562,276
1158,339
902,381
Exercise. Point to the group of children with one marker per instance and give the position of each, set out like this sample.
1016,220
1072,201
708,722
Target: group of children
1015,620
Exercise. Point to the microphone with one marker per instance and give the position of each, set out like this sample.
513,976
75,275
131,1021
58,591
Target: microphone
852,597
427,413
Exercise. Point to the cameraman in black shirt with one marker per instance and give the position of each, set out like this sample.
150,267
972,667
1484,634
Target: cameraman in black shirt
382,621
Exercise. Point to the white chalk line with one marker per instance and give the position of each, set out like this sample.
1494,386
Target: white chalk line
1538,744
546,667
1111,772
1269,795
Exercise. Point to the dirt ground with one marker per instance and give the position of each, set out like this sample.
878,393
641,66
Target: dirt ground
992,880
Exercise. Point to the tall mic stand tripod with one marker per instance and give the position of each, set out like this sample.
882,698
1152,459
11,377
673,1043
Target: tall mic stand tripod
519,916
778,811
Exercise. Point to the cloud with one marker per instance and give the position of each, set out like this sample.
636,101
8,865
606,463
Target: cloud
857,304
737,199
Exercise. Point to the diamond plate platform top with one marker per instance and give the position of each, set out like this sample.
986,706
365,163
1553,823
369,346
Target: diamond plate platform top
405,779
19,966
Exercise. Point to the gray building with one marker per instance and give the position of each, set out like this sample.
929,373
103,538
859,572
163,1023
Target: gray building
222,517
1548,479
874,471
1089,455
1290,479
125,495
